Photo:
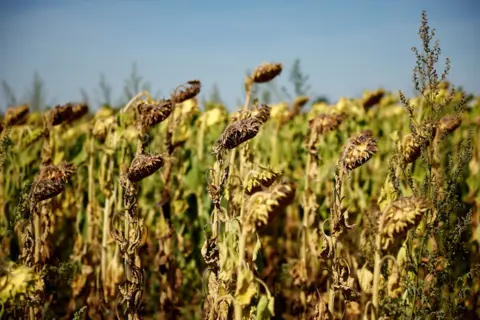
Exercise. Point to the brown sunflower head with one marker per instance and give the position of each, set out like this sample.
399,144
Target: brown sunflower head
60,114
78,111
51,181
448,124
237,133
143,166
154,112
190,91
411,148
266,72
16,115
359,149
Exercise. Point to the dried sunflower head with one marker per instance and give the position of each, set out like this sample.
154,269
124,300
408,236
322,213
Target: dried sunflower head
262,177
300,101
16,115
143,166
263,113
51,181
448,124
152,113
373,98
60,113
324,123
403,214
78,111
266,72
410,149
264,206
189,92
237,133
359,149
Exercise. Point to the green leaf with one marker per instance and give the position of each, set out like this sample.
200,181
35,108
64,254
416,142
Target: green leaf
265,308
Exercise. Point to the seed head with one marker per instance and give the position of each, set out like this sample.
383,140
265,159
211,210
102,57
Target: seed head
143,166
410,148
16,115
448,124
359,149
238,132
403,214
263,177
78,111
101,127
299,102
51,181
154,112
373,98
188,92
266,72
324,123
263,207
60,113
263,113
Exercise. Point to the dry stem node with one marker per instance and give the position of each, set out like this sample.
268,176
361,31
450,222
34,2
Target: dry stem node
266,72
143,166
359,149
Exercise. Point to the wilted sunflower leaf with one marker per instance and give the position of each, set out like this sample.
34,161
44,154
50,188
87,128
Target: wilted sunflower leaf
247,288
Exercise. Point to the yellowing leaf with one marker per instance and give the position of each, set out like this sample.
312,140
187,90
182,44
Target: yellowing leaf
247,288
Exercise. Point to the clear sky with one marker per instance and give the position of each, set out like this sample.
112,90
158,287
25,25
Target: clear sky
344,46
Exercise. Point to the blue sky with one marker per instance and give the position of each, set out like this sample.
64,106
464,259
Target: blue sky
344,46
